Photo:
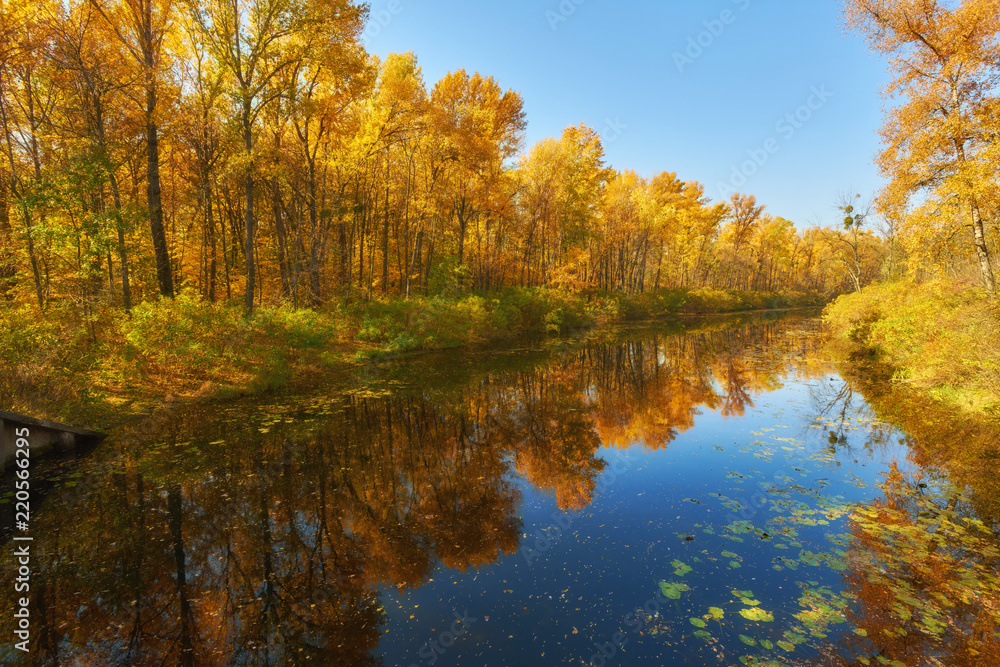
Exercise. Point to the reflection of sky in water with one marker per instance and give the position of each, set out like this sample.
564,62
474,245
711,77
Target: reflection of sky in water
585,587
351,528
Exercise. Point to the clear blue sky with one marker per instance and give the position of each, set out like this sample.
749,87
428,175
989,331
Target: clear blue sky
614,66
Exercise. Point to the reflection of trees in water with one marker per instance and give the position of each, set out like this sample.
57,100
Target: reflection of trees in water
945,443
842,410
923,559
271,548
650,391
923,580
213,573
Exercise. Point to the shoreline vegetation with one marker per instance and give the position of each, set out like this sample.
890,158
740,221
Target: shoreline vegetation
939,338
184,350
933,324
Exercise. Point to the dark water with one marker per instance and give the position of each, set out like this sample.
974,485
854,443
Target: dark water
659,495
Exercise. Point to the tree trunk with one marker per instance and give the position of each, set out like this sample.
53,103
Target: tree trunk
8,262
122,249
17,189
164,272
314,239
413,262
463,224
249,212
280,233
385,236
985,265
344,256
429,264
213,268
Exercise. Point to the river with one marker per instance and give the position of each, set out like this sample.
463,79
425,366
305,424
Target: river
715,492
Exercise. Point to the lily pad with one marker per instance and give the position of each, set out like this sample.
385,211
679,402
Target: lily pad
757,614
673,590
680,568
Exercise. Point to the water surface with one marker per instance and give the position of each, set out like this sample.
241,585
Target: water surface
710,493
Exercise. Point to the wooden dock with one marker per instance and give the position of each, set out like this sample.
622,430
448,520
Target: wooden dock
42,436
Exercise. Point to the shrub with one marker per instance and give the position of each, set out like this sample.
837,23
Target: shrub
937,336
46,360
187,340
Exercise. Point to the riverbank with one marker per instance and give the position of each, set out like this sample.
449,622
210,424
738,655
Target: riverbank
940,338
99,370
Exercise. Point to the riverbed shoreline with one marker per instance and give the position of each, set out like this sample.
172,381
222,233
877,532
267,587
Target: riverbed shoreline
187,351
938,338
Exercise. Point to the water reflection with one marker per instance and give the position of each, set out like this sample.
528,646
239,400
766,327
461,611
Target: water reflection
924,559
272,539
925,575
236,542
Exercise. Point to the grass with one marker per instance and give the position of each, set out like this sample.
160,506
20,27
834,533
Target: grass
705,300
938,337
99,370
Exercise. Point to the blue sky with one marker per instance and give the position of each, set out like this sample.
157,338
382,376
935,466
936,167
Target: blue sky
715,111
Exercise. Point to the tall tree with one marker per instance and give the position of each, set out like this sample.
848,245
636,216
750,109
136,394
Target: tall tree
25,107
141,26
202,132
480,128
945,58
321,90
745,216
257,41
96,86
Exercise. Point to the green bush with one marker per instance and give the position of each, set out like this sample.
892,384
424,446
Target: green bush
45,360
438,322
185,331
299,328
24,335
936,336
191,339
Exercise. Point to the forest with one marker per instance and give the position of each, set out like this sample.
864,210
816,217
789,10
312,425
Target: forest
254,152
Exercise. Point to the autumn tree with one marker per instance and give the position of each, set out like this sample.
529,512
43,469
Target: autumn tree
95,101
142,27
628,216
856,215
201,130
744,217
321,90
25,106
562,183
258,41
691,231
939,139
392,138
479,127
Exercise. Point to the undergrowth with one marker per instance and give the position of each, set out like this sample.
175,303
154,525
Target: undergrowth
938,337
62,365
